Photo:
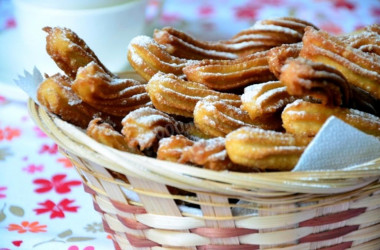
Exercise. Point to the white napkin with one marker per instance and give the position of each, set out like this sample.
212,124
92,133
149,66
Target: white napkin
30,82
338,145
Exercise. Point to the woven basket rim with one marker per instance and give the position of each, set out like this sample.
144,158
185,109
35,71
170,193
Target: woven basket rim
73,139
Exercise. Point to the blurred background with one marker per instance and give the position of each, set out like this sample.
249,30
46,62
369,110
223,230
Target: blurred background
223,18
198,16
204,19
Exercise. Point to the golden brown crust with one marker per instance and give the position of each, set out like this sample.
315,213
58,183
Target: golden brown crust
216,118
278,56
326,85
171,148
230,74
55,94
266,100
69,51
183,45
322,82
208,153
144,127
110,95
173,95
305,118
193,132
366,40
274,31
360,68
263,149
148,57
107,135
263,35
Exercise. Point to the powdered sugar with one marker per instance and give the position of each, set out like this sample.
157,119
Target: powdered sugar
134,56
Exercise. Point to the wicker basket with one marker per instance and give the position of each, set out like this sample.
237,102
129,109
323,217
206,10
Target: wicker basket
152,204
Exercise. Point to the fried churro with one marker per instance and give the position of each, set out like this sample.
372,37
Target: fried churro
144,127
110,95
217,118
266,100
306,118
264,149
230,74
360,68
148,57
69,51
56,95
173,95
104,133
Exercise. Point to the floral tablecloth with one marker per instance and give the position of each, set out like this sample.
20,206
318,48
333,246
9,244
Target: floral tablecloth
42,201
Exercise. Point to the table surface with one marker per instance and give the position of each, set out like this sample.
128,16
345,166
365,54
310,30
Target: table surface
42,201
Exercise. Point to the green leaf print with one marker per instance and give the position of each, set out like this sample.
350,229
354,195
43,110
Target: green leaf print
94,227
16,210
66,233
2,214
4,152
75,239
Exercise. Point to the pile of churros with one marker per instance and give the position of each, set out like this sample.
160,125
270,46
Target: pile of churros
250,103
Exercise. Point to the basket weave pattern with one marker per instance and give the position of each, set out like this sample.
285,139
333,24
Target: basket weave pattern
183,207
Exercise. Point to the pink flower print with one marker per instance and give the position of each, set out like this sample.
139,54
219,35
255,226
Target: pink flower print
56,210
32,168
26,226
154,3
9,133
375,11
2,99
344,4
39,132
246,12
73,247
205,10
1,190
261,3
170,17
57,183
10,23
66,162
25,118
53,149
17,243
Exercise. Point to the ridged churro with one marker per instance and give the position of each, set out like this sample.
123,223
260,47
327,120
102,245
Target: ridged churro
360,68
278,56
217,118
144,127
306,118
148,57
230,74
208,153
264,149
69,51
107,135
173,95
56,95
266,100
110,95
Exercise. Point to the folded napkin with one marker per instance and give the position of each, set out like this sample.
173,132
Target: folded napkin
337,146
30,82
